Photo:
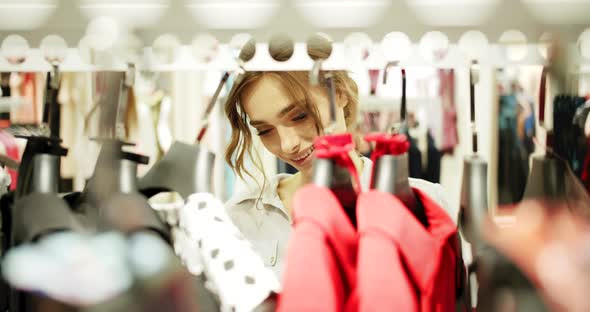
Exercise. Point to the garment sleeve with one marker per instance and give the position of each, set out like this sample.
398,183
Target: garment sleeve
311,281
236,272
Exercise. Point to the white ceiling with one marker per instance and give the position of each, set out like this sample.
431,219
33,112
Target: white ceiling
69,22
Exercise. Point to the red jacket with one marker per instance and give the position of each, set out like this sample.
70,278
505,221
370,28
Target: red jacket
395,265
320,268
403,266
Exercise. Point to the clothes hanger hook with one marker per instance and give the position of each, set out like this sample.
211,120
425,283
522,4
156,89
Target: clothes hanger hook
400,127
55,76
314,77
473,80
130,75
205,118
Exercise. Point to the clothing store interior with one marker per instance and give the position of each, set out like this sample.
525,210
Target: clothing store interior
270,155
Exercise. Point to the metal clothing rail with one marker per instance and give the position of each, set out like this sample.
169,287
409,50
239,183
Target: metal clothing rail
262,61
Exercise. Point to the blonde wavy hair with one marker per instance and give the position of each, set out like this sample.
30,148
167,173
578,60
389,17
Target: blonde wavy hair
297,85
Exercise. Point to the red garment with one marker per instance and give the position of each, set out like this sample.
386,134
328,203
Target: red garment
450,138
338,147
321,258
403,266
11,147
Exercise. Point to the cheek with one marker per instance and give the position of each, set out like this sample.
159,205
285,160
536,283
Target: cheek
272,143
307,130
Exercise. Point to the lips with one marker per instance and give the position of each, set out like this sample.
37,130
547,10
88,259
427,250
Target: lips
303,157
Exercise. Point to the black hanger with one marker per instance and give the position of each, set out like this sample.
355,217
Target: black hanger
390,172
185,168
326,172
546,178
111,198
38,210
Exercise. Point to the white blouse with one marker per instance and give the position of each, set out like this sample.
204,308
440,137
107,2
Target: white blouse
267,225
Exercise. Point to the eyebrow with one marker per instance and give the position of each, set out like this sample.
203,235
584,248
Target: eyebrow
282,113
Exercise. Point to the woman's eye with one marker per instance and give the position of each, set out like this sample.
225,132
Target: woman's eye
263,132
300,117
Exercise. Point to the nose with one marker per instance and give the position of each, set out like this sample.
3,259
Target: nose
290,141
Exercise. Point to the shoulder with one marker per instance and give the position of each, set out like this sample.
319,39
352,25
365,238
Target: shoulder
247,197
437,193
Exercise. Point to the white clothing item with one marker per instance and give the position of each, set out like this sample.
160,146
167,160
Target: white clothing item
146,142
75,268
267,224
236,272
5,181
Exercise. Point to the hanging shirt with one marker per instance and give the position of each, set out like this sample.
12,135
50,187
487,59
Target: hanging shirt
422,268
262,218
236,273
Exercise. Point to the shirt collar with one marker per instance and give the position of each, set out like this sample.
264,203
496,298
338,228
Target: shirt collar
271,197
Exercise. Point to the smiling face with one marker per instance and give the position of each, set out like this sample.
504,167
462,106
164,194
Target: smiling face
287,113
285,121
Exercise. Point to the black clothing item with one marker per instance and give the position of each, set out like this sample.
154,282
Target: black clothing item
512,168
570,142
415,159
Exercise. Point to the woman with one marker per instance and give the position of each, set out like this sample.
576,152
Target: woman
287,113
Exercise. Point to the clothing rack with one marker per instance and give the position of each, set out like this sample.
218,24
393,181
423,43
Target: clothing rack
262,61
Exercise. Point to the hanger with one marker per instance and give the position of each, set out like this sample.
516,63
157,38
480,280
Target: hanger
46,143
38,210
188,168
337,172
390,170
546,178
185,168
111,198
474,188
205,119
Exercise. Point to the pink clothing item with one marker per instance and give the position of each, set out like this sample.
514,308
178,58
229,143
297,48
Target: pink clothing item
320,273
11,147
403,266
450,137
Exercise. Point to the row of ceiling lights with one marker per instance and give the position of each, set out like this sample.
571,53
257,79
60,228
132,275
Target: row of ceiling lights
251,14
433,46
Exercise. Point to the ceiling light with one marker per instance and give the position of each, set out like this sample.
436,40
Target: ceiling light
342,13
103,32
14,49
25,14
54,49
474,44
565,12
434,46
453,12
232,14
514,45
129,13
396,46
